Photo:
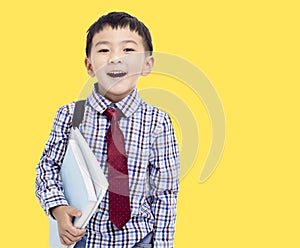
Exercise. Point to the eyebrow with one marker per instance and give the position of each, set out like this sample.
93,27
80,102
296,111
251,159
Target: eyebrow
107,42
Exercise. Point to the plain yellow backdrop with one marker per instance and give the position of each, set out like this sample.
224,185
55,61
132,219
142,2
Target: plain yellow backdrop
250,52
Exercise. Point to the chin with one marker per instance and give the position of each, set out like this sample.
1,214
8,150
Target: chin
119,93
120,89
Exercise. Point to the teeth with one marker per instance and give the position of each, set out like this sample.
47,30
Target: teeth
116,74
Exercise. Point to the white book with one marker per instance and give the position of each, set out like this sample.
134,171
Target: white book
83,181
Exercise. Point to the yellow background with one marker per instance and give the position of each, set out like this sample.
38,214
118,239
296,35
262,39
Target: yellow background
250,52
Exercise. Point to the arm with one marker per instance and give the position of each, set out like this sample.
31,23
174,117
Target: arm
49,189
48,184
164,180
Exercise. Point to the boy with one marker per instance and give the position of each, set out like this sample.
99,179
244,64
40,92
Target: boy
118,51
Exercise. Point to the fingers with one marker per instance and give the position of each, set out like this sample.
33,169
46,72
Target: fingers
68,238
70,234
67,232
73,212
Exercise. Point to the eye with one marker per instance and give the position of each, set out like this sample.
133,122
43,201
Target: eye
103,50
128,50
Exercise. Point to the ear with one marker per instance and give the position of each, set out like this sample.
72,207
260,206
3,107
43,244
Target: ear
89,67
149,62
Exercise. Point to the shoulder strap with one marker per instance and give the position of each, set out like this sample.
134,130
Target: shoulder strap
78,113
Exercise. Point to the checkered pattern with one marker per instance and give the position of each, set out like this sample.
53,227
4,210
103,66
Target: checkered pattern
153,169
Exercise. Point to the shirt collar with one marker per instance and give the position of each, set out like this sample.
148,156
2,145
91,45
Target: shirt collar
128,105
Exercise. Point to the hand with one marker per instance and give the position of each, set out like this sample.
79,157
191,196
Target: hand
67,232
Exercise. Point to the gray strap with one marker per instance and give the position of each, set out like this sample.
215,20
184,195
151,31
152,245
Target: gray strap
78,113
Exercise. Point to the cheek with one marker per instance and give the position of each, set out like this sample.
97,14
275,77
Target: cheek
135,63
98,63
135,68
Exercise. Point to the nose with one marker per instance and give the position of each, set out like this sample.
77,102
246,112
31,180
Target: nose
115,58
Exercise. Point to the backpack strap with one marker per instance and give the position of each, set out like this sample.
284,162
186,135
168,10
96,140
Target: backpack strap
78,113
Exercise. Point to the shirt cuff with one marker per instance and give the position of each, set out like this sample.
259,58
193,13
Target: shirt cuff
163,244
52,199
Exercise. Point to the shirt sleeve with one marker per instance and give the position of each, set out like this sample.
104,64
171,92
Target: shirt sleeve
48,186
164,181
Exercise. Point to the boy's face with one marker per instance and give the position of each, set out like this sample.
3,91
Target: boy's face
117,59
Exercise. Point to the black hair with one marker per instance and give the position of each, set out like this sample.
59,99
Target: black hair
119,20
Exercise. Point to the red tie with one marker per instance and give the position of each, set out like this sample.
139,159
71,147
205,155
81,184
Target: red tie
119,202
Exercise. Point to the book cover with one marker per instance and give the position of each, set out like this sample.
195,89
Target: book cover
83,181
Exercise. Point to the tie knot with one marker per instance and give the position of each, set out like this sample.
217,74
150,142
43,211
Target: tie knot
112,113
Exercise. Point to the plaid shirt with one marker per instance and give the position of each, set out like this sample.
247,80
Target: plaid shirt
153,168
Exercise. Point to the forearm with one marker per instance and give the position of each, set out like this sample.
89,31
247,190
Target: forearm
48,186
164,210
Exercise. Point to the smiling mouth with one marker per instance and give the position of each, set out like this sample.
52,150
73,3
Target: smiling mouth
117,74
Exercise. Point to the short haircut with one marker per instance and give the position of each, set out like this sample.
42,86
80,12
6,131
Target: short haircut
119,20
